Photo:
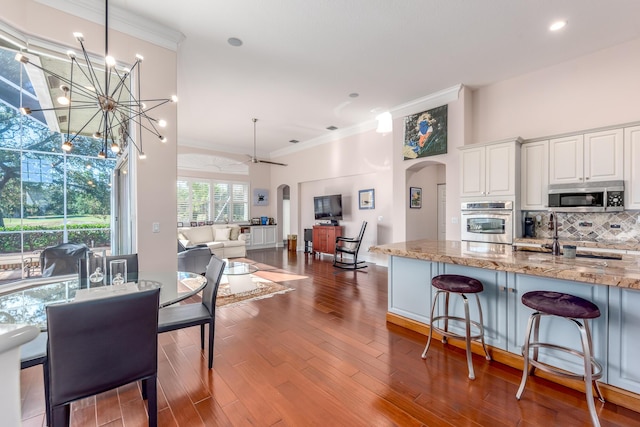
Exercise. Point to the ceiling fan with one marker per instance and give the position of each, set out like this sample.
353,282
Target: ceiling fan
254,158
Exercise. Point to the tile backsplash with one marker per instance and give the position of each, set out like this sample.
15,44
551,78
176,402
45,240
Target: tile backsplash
614,226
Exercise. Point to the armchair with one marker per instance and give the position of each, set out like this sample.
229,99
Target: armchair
194,260
349,246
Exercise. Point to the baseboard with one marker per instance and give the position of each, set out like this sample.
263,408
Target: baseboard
624,398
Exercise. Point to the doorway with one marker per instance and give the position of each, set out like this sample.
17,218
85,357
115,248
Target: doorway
442,211
284,213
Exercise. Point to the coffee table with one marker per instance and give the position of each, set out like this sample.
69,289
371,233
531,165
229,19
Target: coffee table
239,276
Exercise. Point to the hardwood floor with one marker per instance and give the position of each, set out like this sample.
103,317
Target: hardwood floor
324,355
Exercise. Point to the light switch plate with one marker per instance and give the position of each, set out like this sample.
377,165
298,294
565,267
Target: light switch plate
156,227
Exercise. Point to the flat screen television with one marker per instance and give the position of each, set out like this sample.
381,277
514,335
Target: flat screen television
328,208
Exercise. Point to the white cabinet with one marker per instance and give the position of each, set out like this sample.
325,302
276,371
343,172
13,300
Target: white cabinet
596,156
534,172
262,236
623,348
632,167
490,170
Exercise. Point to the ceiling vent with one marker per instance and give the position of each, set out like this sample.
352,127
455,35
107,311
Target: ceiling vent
294,141
332,128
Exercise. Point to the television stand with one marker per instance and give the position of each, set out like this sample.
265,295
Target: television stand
324,238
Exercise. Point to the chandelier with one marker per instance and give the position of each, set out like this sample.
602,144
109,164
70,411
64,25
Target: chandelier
107,106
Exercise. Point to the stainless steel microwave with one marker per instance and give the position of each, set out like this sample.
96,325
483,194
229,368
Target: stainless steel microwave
606,196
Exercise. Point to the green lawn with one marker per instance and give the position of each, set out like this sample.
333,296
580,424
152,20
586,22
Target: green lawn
57,220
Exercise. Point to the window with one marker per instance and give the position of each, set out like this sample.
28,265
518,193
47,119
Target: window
217,201
46,196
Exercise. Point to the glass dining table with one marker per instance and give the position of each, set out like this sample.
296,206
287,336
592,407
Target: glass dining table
24,302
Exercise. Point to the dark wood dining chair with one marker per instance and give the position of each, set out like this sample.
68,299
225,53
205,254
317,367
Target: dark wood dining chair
101,344
181,316
349,246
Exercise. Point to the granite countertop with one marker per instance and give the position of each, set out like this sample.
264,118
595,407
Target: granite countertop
624,273
600,244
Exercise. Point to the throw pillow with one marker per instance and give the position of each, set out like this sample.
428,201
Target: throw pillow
234,233
222,234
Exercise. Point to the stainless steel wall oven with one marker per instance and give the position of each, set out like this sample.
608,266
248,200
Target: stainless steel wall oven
490,222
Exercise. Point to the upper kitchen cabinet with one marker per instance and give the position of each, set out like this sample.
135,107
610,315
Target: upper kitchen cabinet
632,167
596,156
489,170
534,172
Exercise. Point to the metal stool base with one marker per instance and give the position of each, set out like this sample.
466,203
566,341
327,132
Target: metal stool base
592,369
444,331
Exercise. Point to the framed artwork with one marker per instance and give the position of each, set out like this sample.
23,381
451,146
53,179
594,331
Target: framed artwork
180,224
415,197
193,223
260,197
366,199
425,134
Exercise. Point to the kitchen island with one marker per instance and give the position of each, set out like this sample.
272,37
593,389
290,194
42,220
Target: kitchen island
614,285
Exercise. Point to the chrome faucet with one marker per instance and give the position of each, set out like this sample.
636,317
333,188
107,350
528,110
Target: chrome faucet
553,225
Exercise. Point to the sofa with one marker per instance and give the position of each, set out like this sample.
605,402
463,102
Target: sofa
223,240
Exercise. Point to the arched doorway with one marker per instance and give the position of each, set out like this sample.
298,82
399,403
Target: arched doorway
426,221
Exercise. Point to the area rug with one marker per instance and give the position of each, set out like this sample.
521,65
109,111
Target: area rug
265,279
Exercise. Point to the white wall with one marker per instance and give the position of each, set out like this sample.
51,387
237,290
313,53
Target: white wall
343,166
595,90
353,216
156,188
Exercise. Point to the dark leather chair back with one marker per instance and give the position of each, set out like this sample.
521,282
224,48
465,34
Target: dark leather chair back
62,259
194,260
98,345
215,269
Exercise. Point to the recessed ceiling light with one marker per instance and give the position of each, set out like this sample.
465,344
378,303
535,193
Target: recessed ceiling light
332,128
233,41
294,141
354,95
558,25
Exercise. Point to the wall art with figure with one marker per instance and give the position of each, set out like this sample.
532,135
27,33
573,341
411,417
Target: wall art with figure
425,134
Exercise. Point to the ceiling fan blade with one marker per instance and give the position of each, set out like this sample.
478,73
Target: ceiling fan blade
271,163
254,158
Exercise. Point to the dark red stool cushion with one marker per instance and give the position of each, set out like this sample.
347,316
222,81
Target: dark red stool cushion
457,283
559,304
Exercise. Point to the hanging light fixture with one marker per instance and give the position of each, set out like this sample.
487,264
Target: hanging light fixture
113,102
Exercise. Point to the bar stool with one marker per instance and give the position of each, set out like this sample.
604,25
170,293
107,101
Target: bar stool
578,311
460,285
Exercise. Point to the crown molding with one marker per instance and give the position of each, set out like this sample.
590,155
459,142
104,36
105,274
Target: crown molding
418,105
120,20
433,100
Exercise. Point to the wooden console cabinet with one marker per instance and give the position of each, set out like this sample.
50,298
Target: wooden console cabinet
324,238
